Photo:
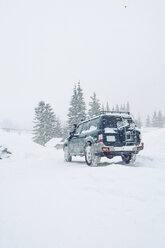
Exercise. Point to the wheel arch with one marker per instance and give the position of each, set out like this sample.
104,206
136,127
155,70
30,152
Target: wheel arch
88,140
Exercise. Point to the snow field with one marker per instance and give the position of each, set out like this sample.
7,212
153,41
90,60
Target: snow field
45,202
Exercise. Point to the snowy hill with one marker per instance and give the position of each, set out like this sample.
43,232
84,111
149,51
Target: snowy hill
45,202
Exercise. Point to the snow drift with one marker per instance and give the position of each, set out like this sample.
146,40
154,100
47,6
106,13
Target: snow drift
45,202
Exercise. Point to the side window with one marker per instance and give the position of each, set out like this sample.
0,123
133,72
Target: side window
85,127
78,130
109,122
90,126
94,124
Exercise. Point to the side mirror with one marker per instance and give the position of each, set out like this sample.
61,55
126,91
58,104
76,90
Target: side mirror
74,126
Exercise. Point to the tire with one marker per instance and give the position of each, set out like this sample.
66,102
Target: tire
110,156
90,158
129,159
67,156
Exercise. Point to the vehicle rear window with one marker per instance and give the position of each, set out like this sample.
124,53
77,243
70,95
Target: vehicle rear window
117,122
94,123
110,122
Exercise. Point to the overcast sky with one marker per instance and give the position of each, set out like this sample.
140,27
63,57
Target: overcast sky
48,45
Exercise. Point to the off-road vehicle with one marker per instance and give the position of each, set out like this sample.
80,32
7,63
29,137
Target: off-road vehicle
107,135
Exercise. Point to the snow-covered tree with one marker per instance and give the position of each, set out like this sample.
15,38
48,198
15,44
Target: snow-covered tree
58,128
38,129
117,108
148,121
44,123
72,114
122,108
138,122
107,107
65,130
77,107
160,120
102,107
128,107
81,106
154,120
94,106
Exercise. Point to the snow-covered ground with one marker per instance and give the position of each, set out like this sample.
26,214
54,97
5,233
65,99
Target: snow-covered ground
46,202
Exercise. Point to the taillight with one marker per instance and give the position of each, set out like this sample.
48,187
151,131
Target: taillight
140,138
100,138
105,149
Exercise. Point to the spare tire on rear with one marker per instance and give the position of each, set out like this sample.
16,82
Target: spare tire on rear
128,158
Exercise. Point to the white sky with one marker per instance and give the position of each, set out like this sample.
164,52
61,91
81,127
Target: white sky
48,45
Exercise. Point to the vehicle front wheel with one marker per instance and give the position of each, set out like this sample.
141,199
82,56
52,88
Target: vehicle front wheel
90,158
67,156
129,158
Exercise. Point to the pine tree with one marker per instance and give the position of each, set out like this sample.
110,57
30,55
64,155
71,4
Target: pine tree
38,129
50,123
72,115
81,104
58,128
124,108
77,107
107,107
138,122
117,108
160,120
154,120
94,106
102,107
148,121
128,107
44,123
65,131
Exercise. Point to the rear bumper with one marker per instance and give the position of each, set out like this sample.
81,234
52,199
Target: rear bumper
102,149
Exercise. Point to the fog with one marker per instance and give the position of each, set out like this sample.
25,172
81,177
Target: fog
113,47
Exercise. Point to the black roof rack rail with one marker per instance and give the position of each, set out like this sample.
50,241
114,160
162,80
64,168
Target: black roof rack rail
115,112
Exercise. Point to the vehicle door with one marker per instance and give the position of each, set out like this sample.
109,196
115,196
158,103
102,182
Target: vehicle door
74,141
84,132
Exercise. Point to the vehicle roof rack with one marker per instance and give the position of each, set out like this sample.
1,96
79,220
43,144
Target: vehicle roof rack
115,112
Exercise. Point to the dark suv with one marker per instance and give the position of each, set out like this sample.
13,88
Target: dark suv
106,135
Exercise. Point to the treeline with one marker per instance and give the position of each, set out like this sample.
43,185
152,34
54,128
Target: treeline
157,120
47,125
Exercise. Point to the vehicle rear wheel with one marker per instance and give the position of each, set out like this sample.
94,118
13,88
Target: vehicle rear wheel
67,156
110,156
90,158
129,158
